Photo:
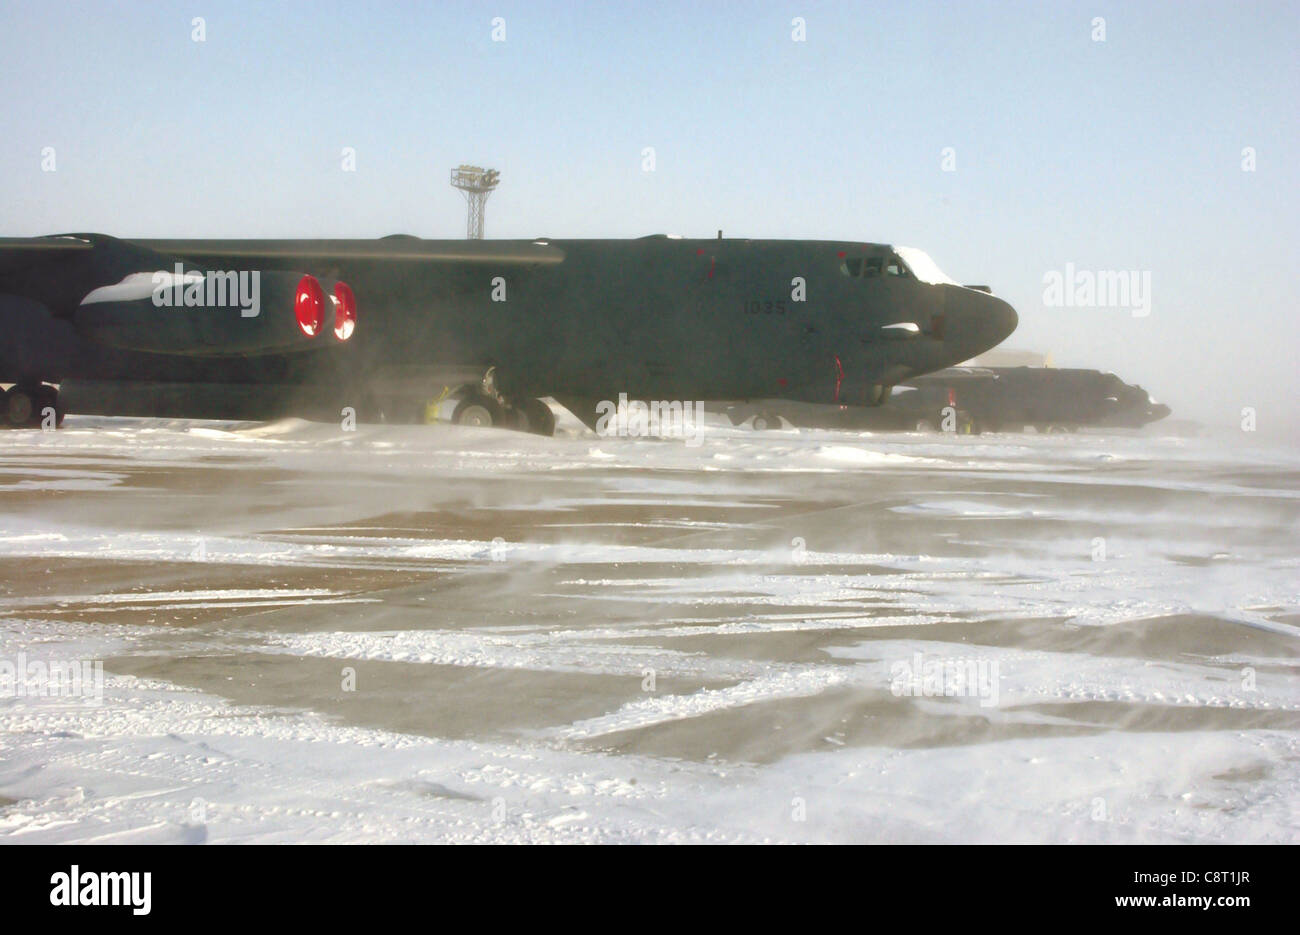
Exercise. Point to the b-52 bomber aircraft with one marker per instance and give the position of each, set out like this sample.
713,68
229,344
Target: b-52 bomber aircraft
979,399
267,328
1050,399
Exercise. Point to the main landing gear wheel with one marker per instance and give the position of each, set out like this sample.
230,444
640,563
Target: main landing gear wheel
764,421
18,407
540,420
25,405
478,411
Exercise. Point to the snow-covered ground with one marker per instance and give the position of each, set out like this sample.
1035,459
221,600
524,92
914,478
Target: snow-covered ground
425,633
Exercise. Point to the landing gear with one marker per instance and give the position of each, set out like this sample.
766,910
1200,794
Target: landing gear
479,411
19,406
31,405
538,417
763,421
962,424
483,404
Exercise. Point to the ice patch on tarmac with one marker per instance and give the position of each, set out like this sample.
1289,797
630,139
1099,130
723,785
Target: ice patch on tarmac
157,765
1156,675
576,651
661,709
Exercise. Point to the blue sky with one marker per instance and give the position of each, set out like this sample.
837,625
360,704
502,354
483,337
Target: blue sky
1117,155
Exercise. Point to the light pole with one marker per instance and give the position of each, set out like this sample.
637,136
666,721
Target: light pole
475,183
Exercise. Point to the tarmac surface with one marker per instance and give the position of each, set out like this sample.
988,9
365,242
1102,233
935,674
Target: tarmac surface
429,633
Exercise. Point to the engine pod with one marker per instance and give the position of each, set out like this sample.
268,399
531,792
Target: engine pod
209,314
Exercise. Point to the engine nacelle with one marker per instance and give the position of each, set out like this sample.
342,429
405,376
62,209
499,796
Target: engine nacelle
244,312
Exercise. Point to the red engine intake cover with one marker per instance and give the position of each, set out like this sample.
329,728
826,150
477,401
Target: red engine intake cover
309,306
345,311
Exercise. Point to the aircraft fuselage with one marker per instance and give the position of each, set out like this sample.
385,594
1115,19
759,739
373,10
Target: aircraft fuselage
655,317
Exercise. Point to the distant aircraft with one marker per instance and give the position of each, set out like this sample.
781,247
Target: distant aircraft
1046,398
264,328
978,399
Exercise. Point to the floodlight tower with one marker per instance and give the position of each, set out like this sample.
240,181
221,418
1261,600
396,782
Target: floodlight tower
475,183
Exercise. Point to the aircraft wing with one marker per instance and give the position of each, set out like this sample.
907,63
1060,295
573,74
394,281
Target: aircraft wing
125,295
387,249
266,296
18,247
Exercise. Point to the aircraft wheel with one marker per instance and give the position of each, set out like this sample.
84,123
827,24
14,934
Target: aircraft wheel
46,397
764,421
19,407
540,419
479,411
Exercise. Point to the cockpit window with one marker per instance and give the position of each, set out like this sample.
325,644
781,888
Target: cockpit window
895,267
862,267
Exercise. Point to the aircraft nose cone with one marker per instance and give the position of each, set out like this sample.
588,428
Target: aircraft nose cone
1002,321
984,323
